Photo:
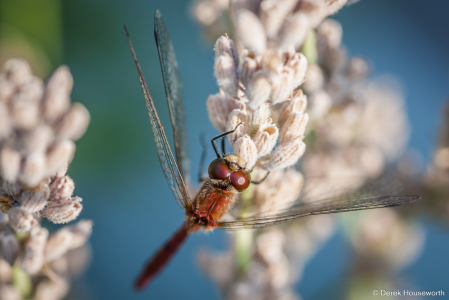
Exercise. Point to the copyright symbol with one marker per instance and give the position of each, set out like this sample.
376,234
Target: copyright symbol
375,292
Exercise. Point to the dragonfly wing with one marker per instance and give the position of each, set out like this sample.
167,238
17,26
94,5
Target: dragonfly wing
168,163
173,90
324,196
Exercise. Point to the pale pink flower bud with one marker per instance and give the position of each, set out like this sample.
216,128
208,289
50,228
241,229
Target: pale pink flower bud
63,211
357,68
48,289
21,219
225,72
5,122
265,138
245,148
9,246
32,260
315,11
334,6
280,86
248,66
250,31
286,155
11,188
5,272
33,169
62,171
62,188
74,123
294,127
273,14
25,113
59,155
258,89
320,103
9,164
57,94
271,60
10,292
298,103
258,118
224,45
314,78
329,34
36,140
35,200
237,121
6,90
295,31
32,90
58,244
218,110
80,233
18,71
299,65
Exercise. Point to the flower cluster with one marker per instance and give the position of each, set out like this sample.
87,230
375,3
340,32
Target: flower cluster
359,125
40,264
355,126
38,127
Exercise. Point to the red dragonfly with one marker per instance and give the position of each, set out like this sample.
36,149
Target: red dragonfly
228,175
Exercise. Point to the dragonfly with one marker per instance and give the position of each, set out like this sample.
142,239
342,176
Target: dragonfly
229,177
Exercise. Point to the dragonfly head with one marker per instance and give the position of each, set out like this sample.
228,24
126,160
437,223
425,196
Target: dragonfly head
233,168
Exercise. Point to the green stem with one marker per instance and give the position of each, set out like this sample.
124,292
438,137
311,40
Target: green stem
309,48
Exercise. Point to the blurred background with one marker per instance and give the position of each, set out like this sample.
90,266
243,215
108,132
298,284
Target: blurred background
116,170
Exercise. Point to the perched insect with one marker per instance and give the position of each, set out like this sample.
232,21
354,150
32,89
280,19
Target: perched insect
228,175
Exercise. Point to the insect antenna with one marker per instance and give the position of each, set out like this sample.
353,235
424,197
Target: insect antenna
222,136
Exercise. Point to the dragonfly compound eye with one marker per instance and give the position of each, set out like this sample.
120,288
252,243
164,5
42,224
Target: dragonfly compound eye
240,180
218,169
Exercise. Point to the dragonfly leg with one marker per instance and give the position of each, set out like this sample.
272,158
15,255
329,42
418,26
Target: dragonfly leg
223,147
222,136
260,181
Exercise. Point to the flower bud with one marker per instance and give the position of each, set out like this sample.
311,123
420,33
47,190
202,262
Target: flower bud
62,188
21,219
245,148
63,211
218,110
237,121
5,122
9,246
25,113
298,103
58,244
18,71
74,123
35,200
9,164
294,127
59,155
226,73
32,260
295,31
33,169
250,31
281,86
248,66
265,138
80,233
286,155
225,46
57,94
273,14
258,89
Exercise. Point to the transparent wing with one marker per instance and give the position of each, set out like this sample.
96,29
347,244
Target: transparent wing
173,90
322,195
168,163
